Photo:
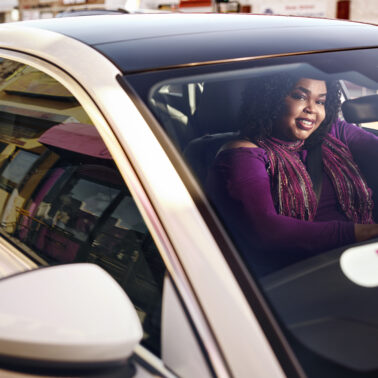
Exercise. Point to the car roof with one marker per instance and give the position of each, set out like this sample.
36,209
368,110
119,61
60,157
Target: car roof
141,42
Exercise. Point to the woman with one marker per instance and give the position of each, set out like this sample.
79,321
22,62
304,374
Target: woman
261,186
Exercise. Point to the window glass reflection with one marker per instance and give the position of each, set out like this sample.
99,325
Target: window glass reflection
62,199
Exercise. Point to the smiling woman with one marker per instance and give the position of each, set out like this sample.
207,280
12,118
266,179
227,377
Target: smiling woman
291,121
289,107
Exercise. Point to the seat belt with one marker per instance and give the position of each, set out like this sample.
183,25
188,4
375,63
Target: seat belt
315,169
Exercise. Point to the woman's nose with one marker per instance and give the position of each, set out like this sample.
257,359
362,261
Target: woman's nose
310,107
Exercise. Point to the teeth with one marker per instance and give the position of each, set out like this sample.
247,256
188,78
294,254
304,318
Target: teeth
307,123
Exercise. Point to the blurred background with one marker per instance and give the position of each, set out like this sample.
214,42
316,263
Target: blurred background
356,10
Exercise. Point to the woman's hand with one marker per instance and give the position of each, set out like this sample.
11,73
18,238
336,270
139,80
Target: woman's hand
365,231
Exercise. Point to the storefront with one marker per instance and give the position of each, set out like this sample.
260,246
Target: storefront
6,10
356,10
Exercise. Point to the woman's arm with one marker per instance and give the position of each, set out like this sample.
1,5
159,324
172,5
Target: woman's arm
364,148
362,144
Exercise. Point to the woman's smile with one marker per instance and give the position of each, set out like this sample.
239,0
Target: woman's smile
305,123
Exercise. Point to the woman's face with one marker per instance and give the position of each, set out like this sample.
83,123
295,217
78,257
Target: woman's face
304,110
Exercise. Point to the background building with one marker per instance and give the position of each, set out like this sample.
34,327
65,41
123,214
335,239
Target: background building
357,10
7,9
34,9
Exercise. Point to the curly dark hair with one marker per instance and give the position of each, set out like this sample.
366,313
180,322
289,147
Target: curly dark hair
264,103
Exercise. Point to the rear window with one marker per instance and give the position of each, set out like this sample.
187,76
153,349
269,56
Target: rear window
285,152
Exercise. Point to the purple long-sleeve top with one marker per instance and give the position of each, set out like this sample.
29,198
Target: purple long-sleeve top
239,185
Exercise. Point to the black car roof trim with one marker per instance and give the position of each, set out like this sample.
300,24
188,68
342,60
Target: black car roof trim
243,59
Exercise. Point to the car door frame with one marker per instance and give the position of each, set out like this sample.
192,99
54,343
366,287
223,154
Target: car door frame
175,223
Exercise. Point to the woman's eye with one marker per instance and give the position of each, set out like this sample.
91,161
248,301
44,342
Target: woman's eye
298,96
321,102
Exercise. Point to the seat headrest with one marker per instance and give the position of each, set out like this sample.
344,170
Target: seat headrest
361,109
219,107
200,152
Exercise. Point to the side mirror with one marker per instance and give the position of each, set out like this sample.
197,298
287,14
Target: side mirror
72,315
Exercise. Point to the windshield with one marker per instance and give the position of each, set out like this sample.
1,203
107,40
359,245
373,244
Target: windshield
285,151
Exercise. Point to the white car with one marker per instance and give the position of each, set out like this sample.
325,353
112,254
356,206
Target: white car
108,125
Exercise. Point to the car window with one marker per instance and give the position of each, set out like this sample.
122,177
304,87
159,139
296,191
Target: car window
238,129
62,199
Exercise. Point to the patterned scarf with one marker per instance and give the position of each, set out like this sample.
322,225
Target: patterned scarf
292,189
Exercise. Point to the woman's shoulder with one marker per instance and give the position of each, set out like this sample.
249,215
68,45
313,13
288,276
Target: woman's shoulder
239,143
241,150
